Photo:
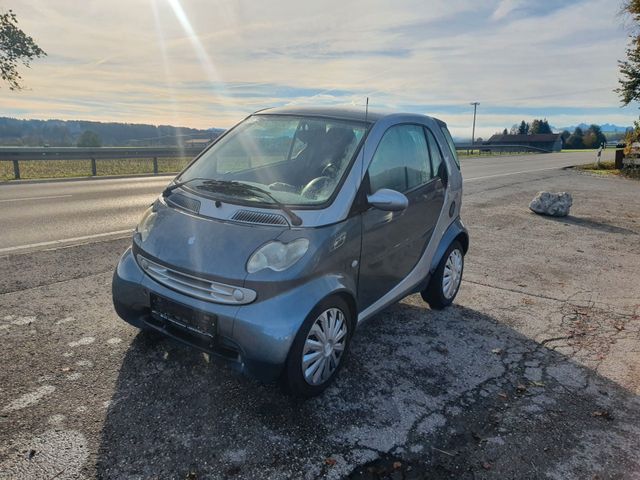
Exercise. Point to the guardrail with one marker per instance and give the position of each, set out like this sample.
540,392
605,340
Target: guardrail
512,148
18,154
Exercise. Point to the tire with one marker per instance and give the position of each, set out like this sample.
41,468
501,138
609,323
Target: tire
333,315
439,294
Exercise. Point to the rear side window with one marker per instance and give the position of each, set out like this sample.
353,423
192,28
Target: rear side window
452,146
436,156
401,161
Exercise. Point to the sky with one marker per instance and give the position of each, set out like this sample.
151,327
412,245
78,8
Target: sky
209,63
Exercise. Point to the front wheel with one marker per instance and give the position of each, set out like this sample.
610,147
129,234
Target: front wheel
319,349
445,283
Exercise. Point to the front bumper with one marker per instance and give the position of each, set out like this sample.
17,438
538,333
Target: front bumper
254,338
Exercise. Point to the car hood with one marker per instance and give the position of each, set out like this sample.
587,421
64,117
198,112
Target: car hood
214,248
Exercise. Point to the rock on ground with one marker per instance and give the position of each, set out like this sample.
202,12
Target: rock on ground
554,204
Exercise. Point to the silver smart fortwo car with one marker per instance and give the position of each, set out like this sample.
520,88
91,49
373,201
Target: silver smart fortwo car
296,225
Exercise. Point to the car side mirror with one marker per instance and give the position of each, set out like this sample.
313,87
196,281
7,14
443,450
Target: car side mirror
388,200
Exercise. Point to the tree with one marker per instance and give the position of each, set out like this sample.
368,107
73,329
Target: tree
540,126
15,47
523,129
89,139
594,137
505,132
575,140
629,89
565,135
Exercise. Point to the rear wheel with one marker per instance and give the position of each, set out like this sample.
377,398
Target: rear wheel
319,349
445,283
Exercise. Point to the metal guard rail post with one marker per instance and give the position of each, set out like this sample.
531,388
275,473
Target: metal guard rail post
18,154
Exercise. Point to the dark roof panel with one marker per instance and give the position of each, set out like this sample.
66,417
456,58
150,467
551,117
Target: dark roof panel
352,113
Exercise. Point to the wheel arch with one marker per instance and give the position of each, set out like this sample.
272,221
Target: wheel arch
350,300
455,232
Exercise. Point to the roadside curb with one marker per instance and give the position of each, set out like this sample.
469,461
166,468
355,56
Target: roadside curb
76,179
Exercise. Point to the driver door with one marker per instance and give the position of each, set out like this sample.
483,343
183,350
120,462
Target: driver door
393,242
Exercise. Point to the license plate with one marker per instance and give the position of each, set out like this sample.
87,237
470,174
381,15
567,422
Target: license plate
166,310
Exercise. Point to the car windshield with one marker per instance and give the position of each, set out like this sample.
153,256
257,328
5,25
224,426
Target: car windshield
297,160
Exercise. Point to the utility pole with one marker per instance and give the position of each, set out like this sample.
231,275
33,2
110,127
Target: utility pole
473,131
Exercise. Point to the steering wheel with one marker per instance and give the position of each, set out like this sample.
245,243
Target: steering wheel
314,187
330,170
283,187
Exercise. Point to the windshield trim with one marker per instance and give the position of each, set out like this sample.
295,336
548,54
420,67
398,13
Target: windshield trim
311,206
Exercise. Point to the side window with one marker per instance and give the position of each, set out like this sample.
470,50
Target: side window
401,161
436,156
452,146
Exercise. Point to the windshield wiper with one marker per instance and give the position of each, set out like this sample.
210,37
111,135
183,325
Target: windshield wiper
172,187
246,187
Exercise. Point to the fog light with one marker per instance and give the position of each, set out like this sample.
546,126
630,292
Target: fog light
238,295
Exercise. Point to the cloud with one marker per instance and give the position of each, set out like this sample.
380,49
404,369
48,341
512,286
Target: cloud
506,7
218,60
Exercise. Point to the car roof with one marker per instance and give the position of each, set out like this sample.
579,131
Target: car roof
341,113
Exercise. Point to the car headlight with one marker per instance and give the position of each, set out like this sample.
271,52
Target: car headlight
146,223
277,256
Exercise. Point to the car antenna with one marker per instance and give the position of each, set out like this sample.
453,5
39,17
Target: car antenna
366,110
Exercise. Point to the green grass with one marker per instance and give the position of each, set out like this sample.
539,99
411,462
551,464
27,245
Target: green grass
32,169
476,153
609,169
571,150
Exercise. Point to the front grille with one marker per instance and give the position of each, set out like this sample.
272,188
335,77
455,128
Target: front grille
195,286
184,202
249,216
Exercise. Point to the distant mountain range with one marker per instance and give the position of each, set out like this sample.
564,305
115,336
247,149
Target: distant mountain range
606,128
65,133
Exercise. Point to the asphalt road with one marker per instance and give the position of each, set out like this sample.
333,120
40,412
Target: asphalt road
36,215
533,373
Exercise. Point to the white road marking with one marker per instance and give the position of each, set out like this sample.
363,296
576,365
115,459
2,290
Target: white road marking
56,419
65,240
82,341
49,197
29,399
64,320
510,173
23,320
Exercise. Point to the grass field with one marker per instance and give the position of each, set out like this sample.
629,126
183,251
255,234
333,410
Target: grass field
572,150
82,168
477,153
609,168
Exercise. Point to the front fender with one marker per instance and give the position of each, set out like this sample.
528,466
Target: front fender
455,231
267,329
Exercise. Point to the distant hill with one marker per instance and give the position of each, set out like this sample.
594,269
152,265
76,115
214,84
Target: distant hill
65,133
606,128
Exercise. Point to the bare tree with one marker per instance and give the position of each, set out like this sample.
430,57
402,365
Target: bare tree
16,47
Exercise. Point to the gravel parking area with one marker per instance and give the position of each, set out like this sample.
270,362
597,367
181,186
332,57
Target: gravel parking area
533,373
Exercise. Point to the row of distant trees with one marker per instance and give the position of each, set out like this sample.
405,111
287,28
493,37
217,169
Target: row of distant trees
592,137
67,133
525,128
